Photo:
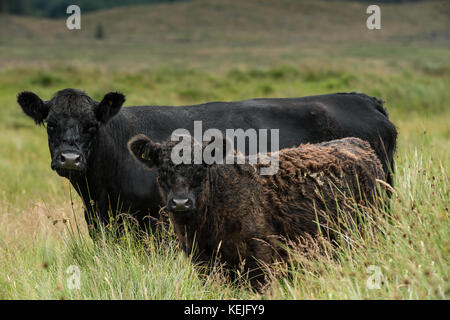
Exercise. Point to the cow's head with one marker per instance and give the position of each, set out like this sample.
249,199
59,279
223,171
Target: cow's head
73,120
185,188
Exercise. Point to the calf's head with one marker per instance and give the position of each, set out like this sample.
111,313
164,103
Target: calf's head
73,120
184,187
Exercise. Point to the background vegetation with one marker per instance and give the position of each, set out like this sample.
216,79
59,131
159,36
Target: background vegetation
196,51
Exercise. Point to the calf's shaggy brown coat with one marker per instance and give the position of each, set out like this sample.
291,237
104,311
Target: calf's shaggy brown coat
247,214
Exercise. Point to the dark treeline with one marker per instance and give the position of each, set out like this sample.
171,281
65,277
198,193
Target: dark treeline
57,8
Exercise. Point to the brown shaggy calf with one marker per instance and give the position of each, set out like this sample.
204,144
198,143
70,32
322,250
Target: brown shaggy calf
245,214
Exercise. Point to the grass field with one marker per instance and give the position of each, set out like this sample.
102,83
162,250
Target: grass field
42,230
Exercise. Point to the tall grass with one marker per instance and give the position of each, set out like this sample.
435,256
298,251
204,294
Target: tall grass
409,251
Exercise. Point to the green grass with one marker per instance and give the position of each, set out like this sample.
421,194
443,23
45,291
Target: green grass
42,228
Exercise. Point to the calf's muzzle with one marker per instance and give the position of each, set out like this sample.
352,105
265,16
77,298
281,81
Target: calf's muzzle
180,204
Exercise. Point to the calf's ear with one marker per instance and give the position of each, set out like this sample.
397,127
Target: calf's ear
145,150
33,106
109,106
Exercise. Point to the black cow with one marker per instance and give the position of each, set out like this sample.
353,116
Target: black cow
88,139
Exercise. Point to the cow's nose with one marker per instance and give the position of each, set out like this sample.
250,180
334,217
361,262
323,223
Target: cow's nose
69,161
180,204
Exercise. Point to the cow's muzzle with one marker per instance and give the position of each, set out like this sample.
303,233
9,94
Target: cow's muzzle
69,162
180,204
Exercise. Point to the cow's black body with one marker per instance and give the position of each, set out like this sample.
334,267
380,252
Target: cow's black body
115,181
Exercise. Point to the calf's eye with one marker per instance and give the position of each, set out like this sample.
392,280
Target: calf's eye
92,129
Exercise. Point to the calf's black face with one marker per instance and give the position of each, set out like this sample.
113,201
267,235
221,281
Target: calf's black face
73,120
182,186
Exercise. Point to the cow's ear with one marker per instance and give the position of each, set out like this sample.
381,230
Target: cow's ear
145,150
33,106
109,106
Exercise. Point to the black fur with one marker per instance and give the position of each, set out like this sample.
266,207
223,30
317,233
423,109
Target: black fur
112,180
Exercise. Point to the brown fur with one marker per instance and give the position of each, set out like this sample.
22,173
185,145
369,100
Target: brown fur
242,216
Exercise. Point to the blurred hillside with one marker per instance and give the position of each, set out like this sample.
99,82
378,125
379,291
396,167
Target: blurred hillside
205,31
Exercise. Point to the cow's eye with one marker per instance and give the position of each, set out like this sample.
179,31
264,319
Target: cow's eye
51,127
198,175
92,129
